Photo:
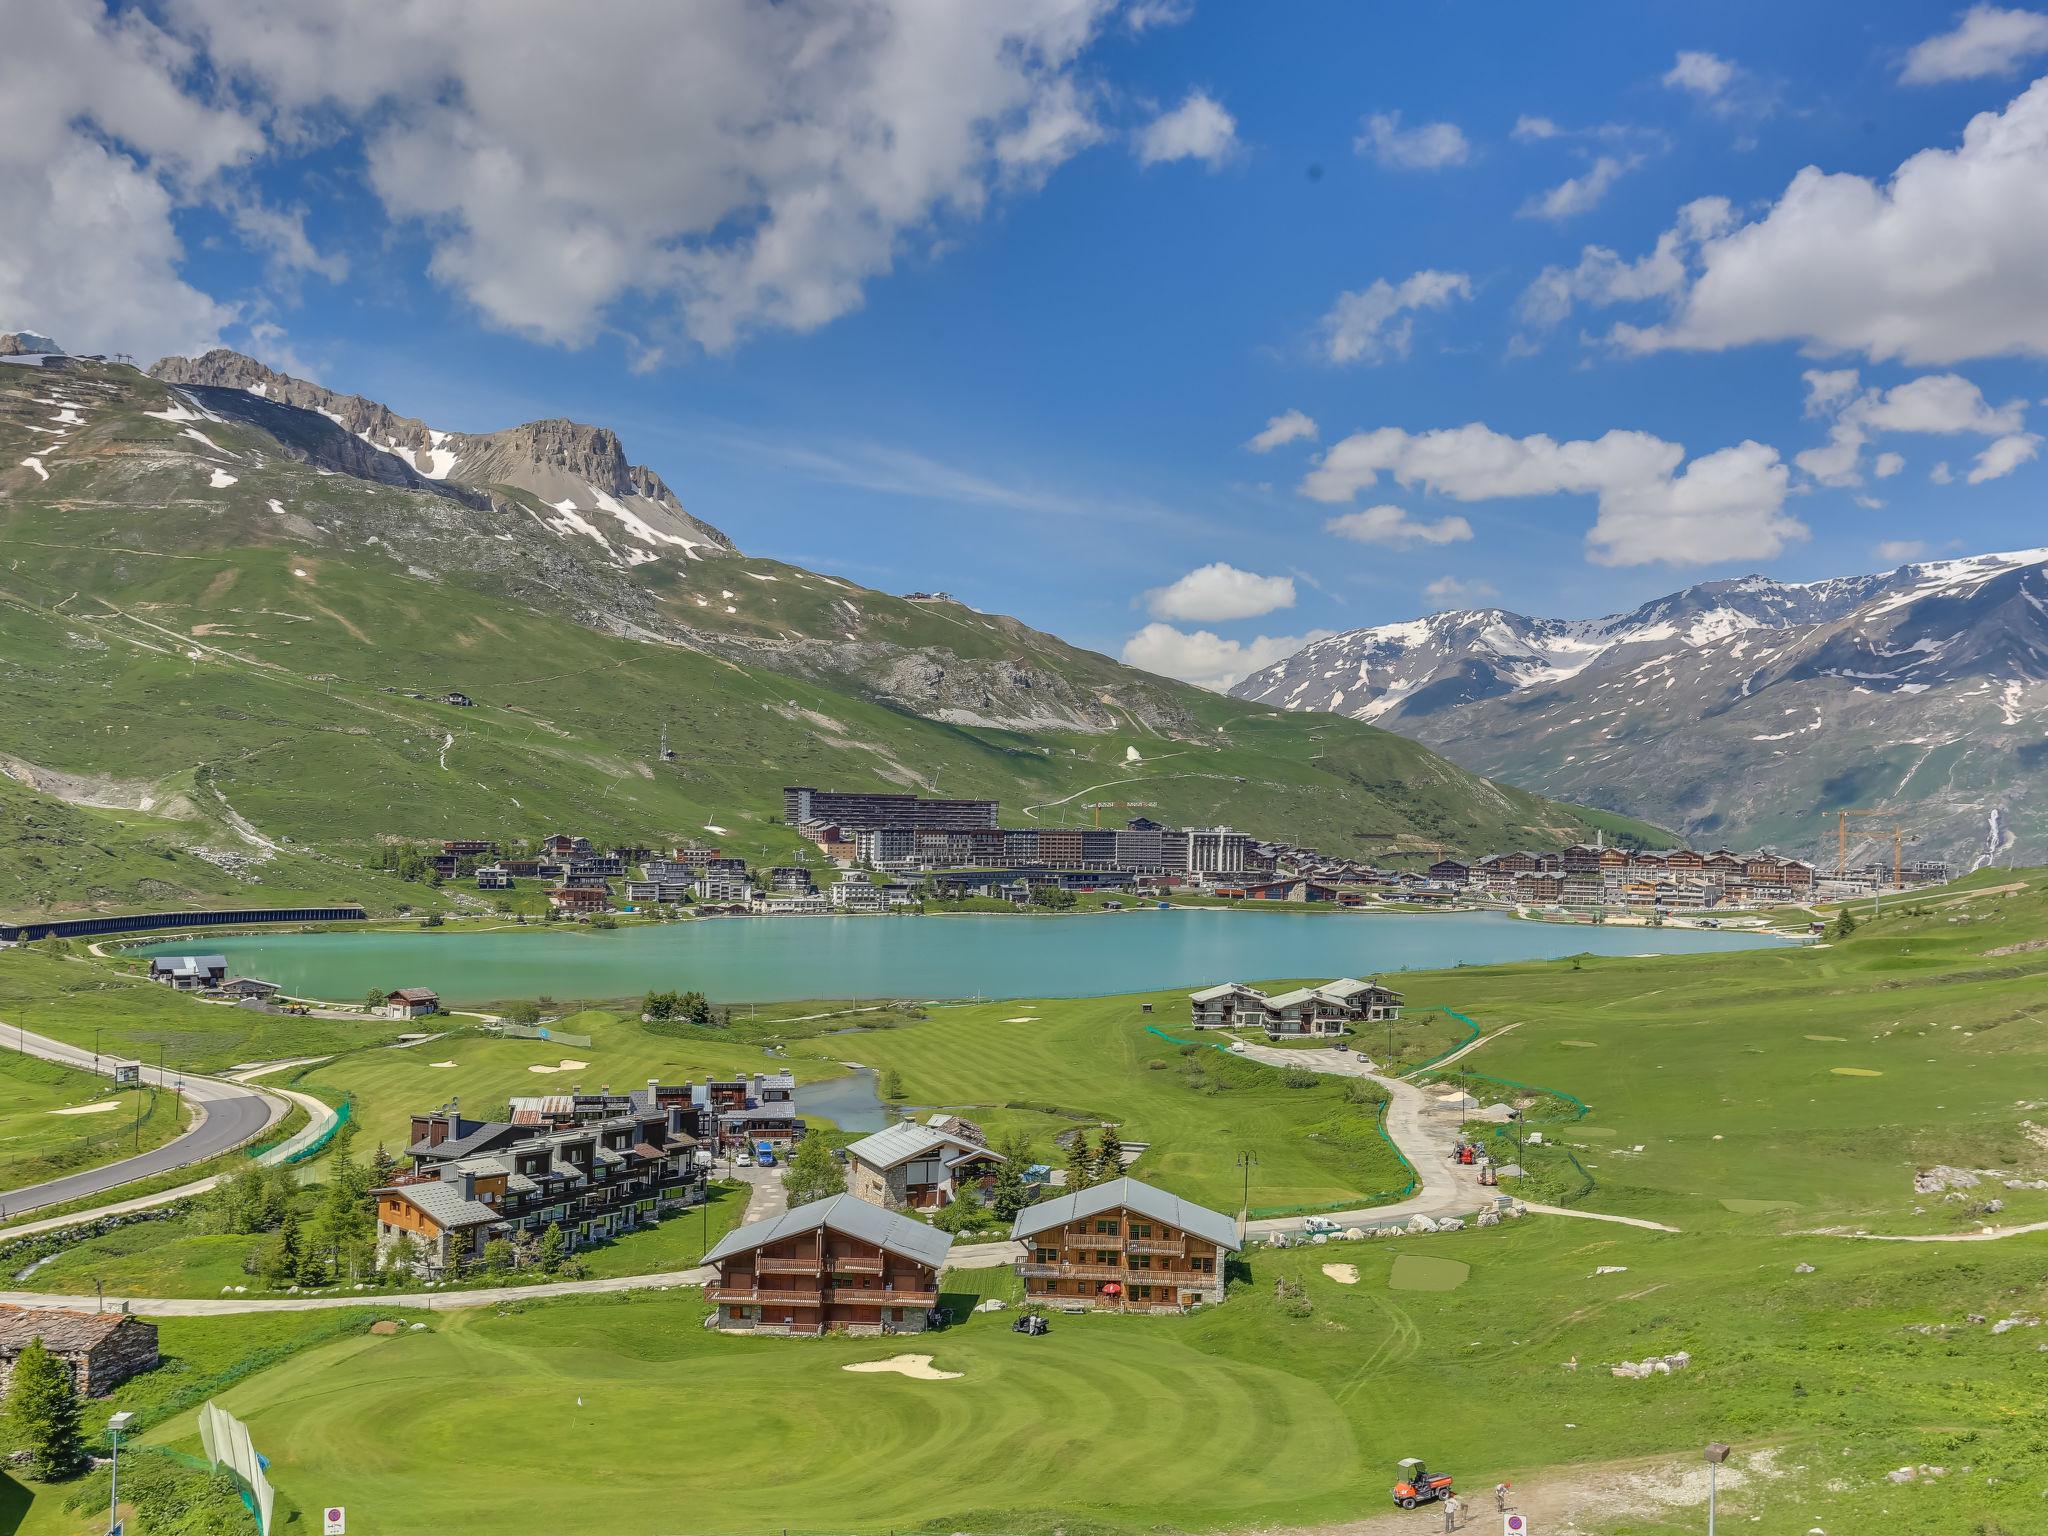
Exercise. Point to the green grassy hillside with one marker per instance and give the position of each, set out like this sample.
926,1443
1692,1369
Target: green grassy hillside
240,659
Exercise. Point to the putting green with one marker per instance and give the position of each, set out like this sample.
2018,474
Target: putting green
1418,1272
1854,1072
1734,1204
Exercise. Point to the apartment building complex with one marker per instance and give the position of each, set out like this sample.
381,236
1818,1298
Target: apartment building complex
860,810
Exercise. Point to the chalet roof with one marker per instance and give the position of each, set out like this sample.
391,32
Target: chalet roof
889,1230
62,1331
444,1204
1227,989
473,1140
187,965
412,995
1131,1195
1291,999
902,1142
1346,987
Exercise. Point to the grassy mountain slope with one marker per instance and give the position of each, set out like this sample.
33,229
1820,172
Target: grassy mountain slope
242,655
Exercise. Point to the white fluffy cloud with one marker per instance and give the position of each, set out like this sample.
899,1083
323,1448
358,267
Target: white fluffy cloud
1940,263
1603,277
1935,403
738,165
1219,591
1454,589
1288,427
1654,506
1580,194
1197,129
1885,465
2002,457
1373,323
1207,659
1392,525
99,145
1987,40
1705,75
1425,147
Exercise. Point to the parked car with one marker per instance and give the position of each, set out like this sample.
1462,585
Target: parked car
1320,1226
743,1159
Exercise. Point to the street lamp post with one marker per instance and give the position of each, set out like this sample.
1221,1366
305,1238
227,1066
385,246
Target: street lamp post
115,1425
1716,1454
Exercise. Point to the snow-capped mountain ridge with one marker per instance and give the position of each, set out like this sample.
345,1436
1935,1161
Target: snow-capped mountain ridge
1737,709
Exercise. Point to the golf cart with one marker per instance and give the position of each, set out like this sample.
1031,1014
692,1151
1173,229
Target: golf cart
1418,1485
1031,1323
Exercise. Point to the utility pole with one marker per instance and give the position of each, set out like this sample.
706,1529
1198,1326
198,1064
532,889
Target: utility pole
1247,1162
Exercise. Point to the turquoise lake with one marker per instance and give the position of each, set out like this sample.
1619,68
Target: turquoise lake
781,959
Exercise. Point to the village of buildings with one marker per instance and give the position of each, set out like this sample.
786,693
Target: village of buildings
893,852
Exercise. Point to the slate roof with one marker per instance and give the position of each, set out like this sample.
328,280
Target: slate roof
477,1138
1210,994
445,1205
901,1142
888,1230
62,1331
187,965
1131,1195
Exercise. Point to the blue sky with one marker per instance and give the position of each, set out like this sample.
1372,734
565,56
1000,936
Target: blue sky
996,300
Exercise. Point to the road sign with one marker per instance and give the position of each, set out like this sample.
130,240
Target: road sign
336,1522
1514,1525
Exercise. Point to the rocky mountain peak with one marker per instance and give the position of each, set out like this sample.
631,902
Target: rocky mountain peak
28,344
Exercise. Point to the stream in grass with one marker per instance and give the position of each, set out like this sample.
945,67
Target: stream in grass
787,959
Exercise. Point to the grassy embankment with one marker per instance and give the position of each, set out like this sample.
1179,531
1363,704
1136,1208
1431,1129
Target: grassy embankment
55,1120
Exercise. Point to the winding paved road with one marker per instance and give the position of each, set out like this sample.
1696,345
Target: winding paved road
227,1114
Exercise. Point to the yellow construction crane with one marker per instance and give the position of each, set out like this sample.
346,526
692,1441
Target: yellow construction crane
1099,806
1899,840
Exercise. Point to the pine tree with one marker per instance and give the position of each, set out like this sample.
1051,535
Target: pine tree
42,1412
1010,1194
281,1261
1080,1163
1845,924
813,1172
554,1247
1109,1158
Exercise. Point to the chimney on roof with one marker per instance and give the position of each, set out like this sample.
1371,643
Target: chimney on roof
469,1184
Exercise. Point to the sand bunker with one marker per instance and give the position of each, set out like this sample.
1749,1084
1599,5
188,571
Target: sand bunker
90,1109
1829,1039
440,1063
1021,1019
1416,1272
1343,1274
916,1367
1854,1072
566,1065
1583,1045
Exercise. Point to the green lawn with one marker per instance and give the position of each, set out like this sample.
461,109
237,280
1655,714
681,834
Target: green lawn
56,1119
1078,1062
1296,1420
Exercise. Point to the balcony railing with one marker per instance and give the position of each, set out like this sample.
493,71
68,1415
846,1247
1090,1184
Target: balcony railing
1171,1246
875,1296
739,1296
1174,1277
767,1266
853,1264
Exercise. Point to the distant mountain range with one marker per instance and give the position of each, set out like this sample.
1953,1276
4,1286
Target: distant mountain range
1739,711
235,606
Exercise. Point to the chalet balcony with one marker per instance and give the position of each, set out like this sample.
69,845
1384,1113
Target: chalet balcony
806,1266
733,1295
1036,1271
854,1264
1171,1247
875,1296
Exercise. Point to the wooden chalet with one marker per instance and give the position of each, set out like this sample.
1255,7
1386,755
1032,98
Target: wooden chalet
834,1265
1123,1246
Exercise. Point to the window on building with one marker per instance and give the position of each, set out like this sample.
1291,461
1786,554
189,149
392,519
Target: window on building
1107,1226
1144,1293
1048,1255
1141,1229
1104,1256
